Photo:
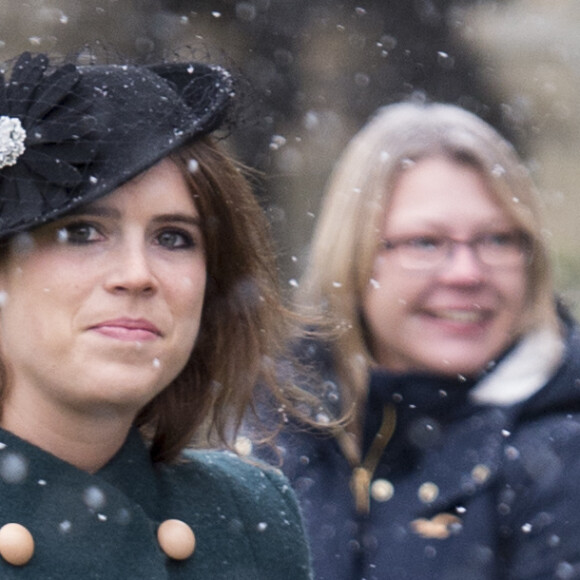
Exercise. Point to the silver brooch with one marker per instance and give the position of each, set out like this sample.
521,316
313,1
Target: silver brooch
12,136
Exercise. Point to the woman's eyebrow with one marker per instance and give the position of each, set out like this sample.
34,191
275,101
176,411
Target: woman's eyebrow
189,219
96,211
111,212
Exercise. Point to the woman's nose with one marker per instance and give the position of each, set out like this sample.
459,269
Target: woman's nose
462,266
130,270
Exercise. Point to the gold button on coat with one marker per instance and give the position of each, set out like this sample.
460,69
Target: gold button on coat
16,544
176,539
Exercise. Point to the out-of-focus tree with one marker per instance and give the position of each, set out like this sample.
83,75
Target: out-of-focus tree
314,70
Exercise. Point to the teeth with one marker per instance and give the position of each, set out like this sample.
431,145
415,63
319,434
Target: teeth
460,315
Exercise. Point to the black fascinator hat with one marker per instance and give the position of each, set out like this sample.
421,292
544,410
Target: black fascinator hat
71,134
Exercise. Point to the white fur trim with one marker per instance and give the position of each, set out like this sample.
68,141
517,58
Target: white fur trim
523,372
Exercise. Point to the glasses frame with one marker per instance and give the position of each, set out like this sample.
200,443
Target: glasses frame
403,248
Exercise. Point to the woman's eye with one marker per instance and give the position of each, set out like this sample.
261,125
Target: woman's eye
79,233
499,239
425,243
173,239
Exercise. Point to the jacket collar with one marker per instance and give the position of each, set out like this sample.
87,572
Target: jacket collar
523,372
18,458
453,433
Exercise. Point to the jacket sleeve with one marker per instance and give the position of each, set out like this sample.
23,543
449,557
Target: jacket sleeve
293,548
539,503
258,502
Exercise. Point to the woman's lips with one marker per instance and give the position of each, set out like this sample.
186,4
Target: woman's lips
460,321
129,329
466,316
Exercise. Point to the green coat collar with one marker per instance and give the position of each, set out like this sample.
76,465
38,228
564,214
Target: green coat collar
104,525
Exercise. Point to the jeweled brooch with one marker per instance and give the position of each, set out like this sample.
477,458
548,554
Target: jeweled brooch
12,136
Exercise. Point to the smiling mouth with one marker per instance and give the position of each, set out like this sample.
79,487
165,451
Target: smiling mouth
462,316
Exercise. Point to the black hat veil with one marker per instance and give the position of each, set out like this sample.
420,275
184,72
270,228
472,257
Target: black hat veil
72,134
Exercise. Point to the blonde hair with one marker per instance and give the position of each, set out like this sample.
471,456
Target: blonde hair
357,197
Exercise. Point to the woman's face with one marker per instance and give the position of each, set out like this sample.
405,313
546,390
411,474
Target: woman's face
101,308
458,315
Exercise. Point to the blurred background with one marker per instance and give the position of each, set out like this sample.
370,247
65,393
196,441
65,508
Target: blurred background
315,70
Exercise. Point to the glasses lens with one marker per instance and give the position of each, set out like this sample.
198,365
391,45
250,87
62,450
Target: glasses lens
422,253
502,250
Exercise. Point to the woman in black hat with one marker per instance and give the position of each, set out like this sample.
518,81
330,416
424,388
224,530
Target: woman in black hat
138,310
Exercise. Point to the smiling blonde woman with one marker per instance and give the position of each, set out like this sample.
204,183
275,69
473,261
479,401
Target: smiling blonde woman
430,272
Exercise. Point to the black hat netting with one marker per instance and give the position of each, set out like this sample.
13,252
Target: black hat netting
72,134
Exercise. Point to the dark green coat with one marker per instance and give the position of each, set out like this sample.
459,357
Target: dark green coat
103,526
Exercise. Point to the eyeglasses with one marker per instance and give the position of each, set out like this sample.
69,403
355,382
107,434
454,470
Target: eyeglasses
494,249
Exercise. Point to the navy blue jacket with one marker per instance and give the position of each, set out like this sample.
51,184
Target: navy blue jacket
480,480
103,525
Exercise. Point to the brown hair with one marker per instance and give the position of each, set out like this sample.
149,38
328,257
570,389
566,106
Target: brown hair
244,326
358,195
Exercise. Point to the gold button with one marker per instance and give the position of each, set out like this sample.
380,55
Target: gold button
481,473
243,446
428,492
439,527
382,490
176,539
16,544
